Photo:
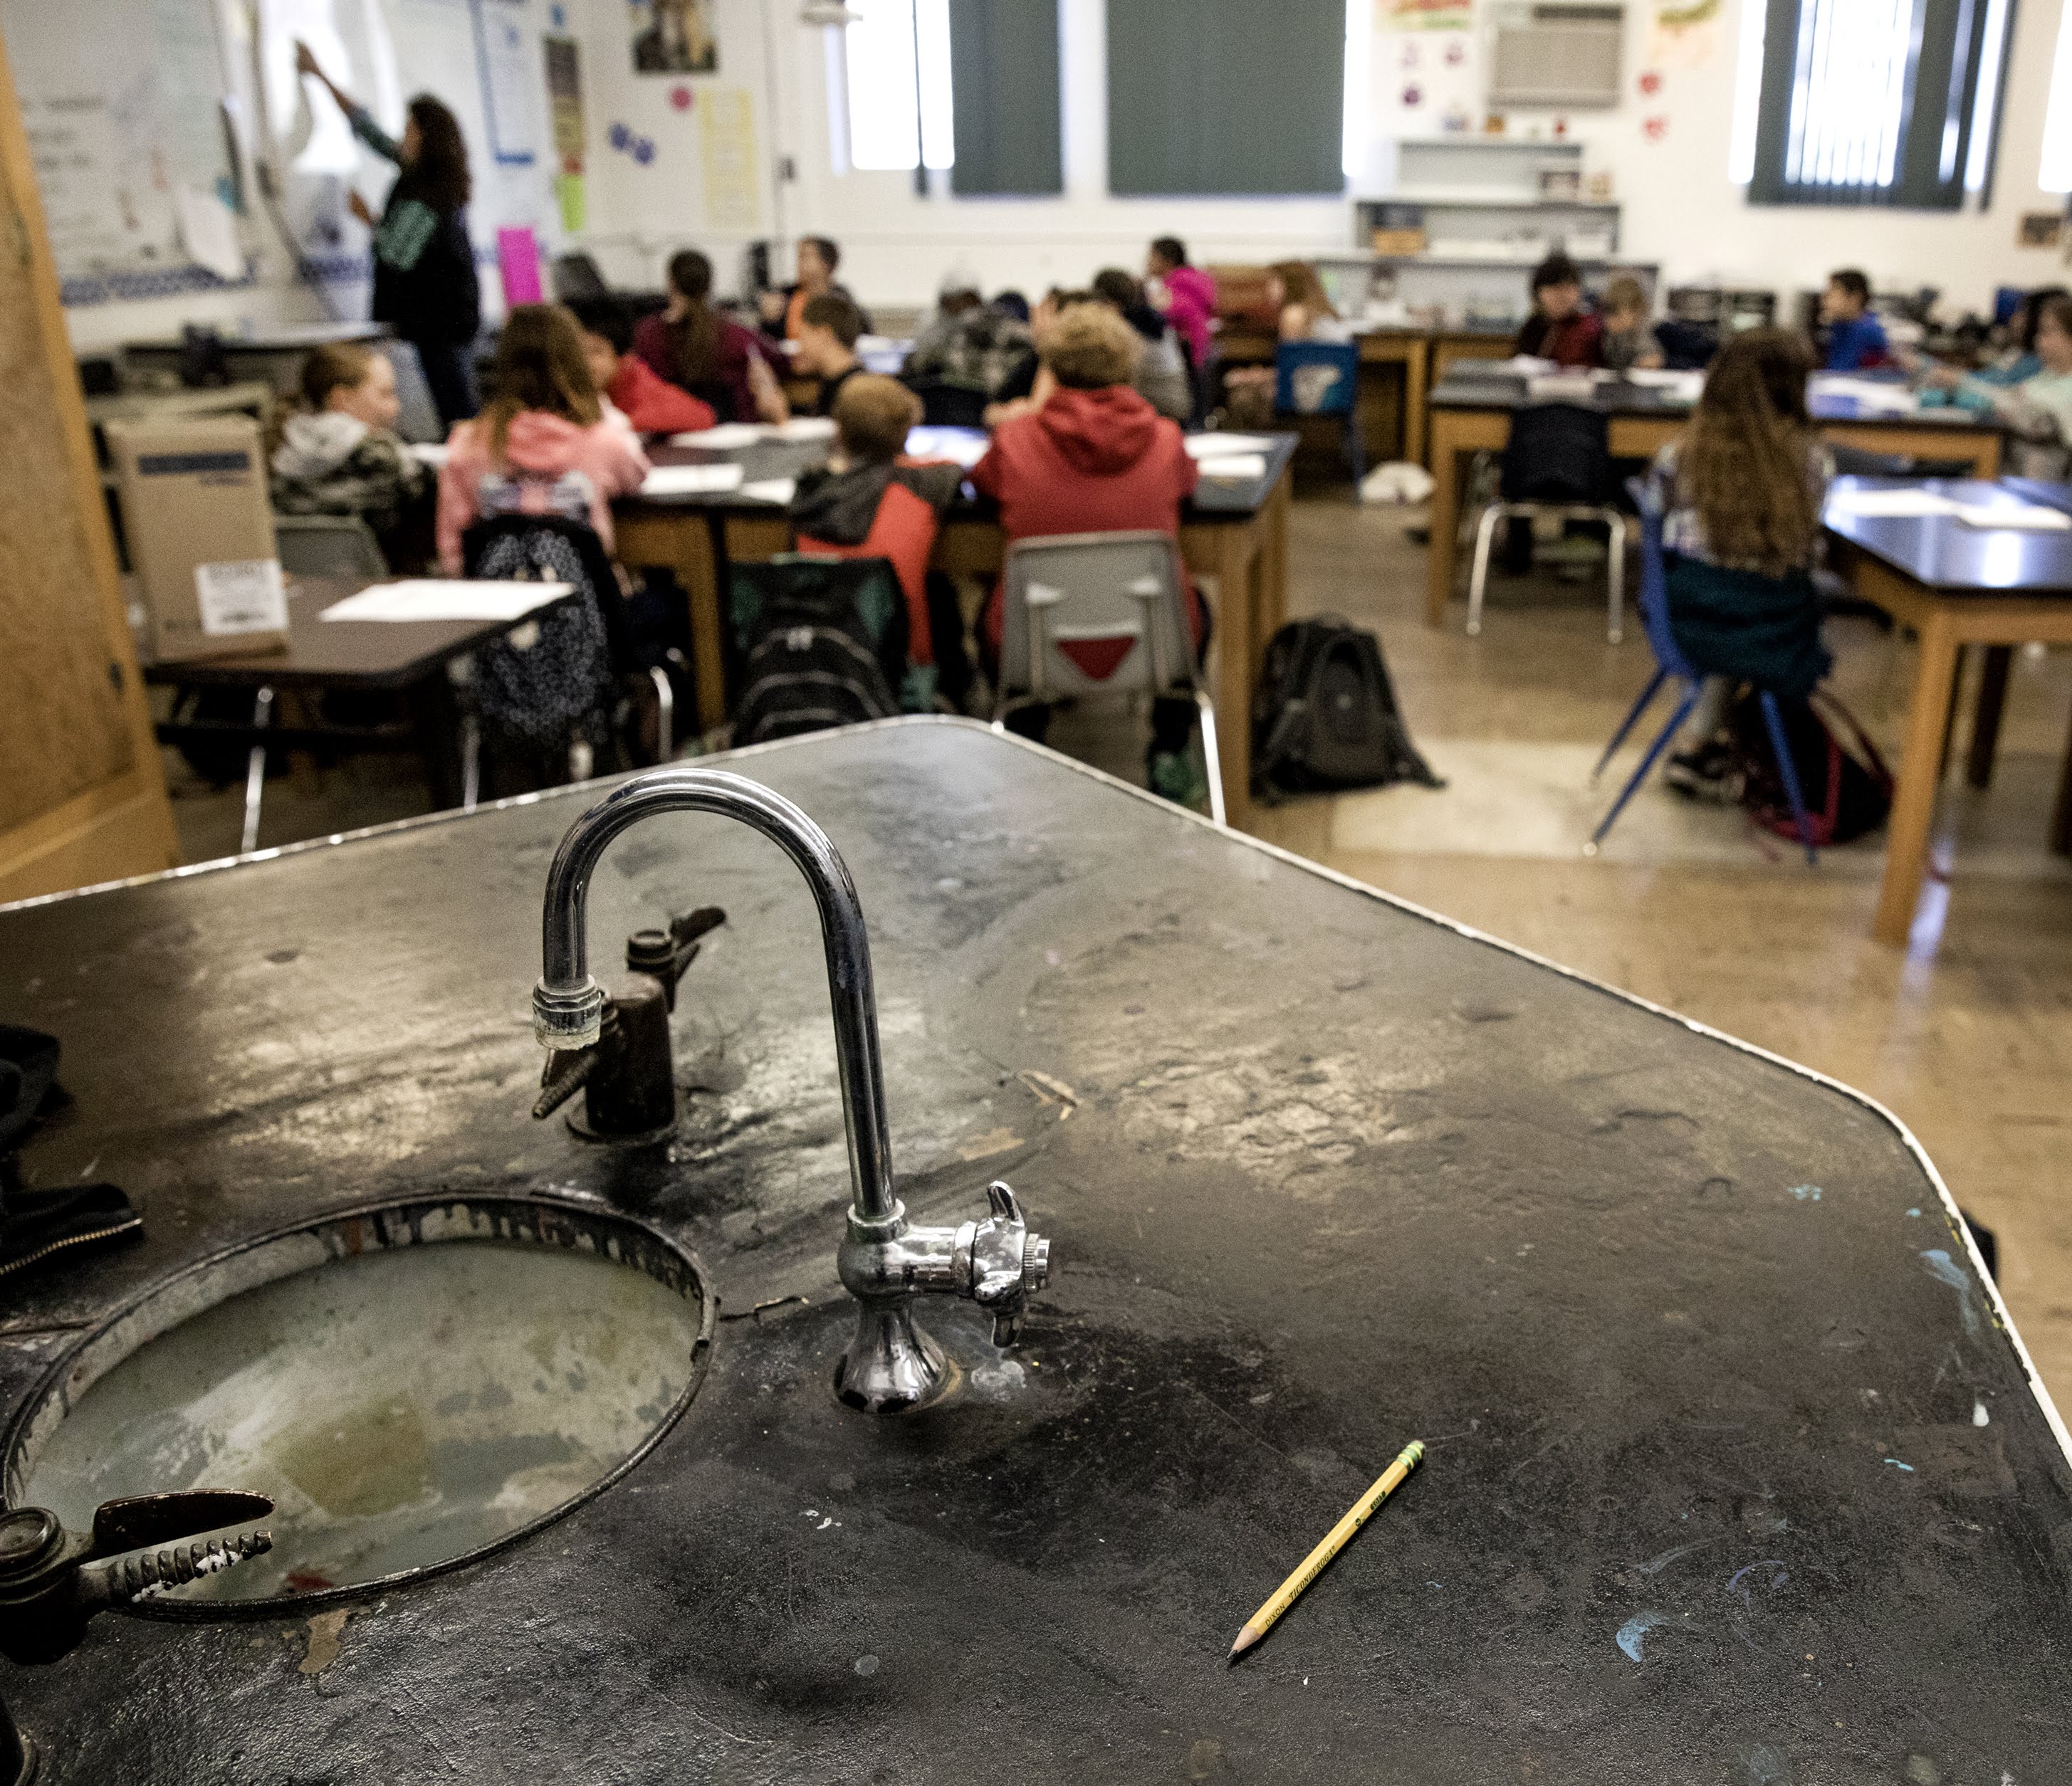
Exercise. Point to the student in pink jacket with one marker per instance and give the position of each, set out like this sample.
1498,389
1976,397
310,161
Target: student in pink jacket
542,445
1187,294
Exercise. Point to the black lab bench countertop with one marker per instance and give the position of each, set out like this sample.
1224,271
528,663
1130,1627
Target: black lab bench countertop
1735,1473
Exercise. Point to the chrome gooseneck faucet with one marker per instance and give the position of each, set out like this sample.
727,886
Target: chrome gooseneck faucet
884,1260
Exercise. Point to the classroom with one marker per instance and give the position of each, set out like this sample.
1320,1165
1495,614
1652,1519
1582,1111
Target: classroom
1417,655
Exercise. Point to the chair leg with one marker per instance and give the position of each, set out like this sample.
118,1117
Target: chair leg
665,715
1626,724
1774,721
1485,534
1615,579
1655,750
1211,758
255,772
471,761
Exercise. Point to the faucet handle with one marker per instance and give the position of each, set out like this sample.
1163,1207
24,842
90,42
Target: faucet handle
665,954
1000,1264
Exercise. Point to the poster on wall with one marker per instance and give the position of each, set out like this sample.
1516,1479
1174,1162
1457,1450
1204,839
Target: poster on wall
1685,33
509,108
674,37
733,199
1424,16
565,104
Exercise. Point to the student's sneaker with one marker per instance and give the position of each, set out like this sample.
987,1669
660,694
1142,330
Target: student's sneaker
1710,773
1173,776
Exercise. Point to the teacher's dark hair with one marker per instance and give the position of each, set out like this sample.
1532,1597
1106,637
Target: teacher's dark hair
439,174
693,336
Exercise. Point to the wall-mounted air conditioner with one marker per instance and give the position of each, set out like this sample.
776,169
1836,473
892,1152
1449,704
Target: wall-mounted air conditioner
1561,53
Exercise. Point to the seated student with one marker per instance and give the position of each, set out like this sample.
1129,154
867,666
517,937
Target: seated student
714,358
1629,339
827,334
1302,311
1743,486
2037,411
783,311
542,447
1096,457
2015,362
1161,375
1187,294
969,344
339,454
872,502
649,403
1855,338
1560,328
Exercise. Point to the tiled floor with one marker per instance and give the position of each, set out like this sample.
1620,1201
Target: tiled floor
1967,1039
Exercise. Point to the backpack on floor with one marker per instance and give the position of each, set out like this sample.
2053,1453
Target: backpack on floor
1847,788
823,643
1324,716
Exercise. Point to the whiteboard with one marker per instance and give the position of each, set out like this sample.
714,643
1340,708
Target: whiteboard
122,102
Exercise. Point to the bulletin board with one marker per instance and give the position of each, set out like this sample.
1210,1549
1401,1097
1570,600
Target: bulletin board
122,102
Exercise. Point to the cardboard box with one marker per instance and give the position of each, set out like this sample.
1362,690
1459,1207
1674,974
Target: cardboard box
199,527
1399,241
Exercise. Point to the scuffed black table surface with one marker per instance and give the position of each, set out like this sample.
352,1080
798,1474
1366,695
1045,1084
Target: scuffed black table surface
1324,1175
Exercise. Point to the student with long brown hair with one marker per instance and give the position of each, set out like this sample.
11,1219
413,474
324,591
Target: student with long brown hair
691,344
542,447
1743,486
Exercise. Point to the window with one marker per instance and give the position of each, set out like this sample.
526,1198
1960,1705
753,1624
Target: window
1872,102
898,84
1005,100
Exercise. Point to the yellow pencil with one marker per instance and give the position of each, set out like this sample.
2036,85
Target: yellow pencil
1285,1596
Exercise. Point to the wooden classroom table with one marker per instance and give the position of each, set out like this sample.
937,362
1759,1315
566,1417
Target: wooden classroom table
1407,348
1472,413
1233,532
1737,1474
1955,585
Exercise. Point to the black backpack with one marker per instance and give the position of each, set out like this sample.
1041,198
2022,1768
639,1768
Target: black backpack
1847,789
560,684
823,643
1324,716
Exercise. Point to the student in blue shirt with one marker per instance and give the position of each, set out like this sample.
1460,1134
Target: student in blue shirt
424,285
1855,338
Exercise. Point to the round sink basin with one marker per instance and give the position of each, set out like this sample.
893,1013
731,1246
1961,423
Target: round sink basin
414,1384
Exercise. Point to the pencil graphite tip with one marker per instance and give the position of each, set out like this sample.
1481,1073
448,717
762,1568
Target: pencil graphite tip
1246,1639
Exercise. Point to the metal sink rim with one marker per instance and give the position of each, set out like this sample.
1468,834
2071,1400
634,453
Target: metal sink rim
519,1218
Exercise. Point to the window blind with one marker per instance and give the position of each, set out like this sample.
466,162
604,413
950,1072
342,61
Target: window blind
1226,97
1005,97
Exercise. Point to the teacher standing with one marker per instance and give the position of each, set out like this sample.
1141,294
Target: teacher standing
425,286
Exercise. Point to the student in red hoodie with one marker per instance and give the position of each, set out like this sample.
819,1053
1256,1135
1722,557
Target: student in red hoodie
1096,457
543,445
649,402
872,502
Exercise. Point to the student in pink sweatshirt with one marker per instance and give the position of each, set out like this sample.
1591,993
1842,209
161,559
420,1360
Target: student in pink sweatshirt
542,445
1187,294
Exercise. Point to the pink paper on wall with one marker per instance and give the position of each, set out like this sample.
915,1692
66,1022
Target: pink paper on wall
518,261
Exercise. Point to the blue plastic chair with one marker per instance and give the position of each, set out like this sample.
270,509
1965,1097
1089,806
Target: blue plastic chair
1670,662
1321,378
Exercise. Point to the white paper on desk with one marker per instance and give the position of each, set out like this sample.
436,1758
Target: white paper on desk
1685,387
806,428
724,438
2026,518
963,446
1216,446
208,231
431,453
771,489
1238,466
446,598
691,480
1905,503
1874,395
